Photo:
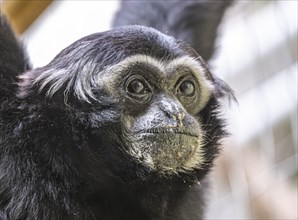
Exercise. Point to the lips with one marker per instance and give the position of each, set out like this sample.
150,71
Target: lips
169,131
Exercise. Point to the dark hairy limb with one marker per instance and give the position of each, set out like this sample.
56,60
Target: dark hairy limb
13,59
194,22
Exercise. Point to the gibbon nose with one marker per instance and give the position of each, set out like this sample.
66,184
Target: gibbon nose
173,111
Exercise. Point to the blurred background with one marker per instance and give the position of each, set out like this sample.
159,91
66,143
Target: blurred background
256,175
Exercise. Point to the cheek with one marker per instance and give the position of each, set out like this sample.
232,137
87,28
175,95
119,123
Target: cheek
137,123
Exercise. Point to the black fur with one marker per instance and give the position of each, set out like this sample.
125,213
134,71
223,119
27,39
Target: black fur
65,160
13,59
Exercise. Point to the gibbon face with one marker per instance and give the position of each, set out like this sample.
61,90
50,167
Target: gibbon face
141,94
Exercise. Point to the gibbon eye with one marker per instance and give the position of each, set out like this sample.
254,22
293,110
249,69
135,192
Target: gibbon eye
187,88
137,87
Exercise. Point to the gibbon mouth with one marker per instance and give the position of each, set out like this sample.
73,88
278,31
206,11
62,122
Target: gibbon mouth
168,149
170,131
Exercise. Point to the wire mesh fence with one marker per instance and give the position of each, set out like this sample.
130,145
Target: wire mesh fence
256,176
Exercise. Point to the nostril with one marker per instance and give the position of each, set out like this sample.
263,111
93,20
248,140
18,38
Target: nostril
180,117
